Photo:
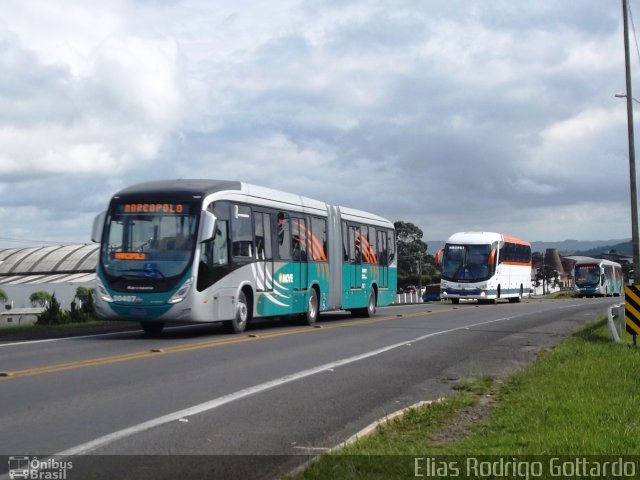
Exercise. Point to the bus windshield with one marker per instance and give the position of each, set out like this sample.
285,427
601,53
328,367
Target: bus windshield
149,240
587,275
466,263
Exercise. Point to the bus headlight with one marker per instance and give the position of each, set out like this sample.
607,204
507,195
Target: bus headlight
182,292
102,291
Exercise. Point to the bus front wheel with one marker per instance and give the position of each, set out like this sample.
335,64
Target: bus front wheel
239,322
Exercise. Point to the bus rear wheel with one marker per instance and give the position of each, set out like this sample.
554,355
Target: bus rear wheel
517,299
311,316
370,311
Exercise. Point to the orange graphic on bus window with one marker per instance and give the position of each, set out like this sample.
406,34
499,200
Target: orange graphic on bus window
129,256
369,256
316,251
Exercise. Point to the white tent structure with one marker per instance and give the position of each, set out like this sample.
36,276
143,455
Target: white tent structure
56,269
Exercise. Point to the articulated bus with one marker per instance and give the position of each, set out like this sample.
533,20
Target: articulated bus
225,251
594,277
485,266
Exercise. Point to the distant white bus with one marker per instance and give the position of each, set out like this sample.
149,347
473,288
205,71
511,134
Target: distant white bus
594,277
485,266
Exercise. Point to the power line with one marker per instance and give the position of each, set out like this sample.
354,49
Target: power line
633,27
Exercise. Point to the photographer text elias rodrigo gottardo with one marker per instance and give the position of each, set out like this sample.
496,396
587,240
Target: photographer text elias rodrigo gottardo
513,468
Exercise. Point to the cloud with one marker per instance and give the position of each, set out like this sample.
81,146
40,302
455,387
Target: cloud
455,115
118,110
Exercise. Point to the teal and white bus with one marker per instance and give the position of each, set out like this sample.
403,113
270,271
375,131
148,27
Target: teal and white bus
595,277
226,251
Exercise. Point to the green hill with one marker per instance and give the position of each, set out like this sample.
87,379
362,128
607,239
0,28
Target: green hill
624,248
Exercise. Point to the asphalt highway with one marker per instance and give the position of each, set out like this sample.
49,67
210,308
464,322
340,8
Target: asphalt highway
196,401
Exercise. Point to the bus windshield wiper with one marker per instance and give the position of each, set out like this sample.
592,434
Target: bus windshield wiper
140,270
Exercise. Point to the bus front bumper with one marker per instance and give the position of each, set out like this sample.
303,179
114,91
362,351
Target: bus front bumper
471,293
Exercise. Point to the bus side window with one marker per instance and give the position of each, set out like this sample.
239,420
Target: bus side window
318,239
219,246
382,247
345,242
284,236
354,245
242,232
259,234
268,253
391,243
298,240
373,245
363,244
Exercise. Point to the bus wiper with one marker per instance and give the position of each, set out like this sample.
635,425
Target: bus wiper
147,273
460,269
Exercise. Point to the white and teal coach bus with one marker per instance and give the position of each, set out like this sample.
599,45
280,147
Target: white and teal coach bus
485,266
226,251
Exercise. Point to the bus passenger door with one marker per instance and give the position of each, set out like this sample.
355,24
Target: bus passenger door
299,254
264,252
355,258
383,259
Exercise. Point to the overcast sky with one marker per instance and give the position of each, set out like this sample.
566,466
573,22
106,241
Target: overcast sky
453,115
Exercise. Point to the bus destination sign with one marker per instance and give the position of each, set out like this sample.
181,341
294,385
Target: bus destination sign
165,208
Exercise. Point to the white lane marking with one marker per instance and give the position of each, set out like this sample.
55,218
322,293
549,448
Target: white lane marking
78,337
46,340
218,402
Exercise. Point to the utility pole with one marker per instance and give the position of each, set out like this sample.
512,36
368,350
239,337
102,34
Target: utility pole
632,150
544,275
419,277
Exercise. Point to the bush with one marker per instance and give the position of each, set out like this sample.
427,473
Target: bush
53,314
85,295
80,315
40,298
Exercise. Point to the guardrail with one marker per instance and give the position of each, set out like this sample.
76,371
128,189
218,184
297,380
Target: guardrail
616,328
404,298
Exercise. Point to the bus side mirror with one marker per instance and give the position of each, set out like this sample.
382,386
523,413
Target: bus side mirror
437,258
492,258
98,225
207,223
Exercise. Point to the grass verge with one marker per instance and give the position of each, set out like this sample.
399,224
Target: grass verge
562,294
39,331
579,398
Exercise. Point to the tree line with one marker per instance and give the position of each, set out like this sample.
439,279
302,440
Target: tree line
416,267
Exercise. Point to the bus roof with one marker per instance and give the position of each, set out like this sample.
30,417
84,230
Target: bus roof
484,238
178,188
200,188
366,217
592,261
